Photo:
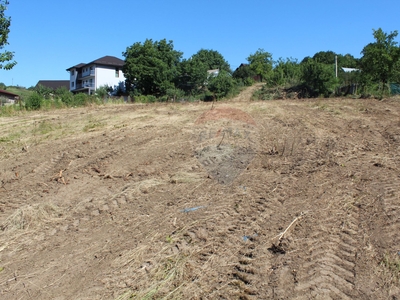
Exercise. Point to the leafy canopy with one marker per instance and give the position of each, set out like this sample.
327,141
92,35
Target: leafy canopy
150,68
211,59
261,63
193,71
6,57
286,72
318,78
381,60
222,84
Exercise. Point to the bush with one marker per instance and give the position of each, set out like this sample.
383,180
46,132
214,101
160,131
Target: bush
67,99
318,78
34,102
222,84
174,94
145,99
8,110
43,91
248,81
81,99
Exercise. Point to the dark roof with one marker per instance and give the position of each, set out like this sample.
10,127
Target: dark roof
105,61
109,61
77,66
54,84
8,94
242,65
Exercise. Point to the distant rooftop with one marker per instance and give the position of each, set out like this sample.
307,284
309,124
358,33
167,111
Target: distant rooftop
8,94
54,84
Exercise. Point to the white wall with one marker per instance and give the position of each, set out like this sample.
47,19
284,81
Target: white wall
106,76
72,78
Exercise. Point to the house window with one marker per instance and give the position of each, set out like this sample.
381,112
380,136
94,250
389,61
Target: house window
72,72
117,73
72,84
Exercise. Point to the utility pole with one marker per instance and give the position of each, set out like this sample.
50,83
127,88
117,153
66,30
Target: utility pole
336,64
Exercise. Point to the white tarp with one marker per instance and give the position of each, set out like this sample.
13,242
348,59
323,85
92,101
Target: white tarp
347,70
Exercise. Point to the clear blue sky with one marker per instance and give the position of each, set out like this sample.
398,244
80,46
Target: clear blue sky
49,36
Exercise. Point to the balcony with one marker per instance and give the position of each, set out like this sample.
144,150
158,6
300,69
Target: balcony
84,86
86,74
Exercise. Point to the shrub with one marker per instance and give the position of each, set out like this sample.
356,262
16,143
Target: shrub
81,99
8,110
67,99
43,91
222,84
174,94
248,81
34,102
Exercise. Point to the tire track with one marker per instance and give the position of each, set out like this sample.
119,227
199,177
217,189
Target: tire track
46,166
329,267
386,189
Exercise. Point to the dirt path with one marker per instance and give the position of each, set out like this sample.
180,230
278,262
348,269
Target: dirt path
245,95
298,200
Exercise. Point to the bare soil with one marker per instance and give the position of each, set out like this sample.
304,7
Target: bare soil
247,200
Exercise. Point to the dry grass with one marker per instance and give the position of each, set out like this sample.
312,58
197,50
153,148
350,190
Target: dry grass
31,217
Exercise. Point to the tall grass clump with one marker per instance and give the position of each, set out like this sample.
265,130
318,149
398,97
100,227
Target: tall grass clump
8,110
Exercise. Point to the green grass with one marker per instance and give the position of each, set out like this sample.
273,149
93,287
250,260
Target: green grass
392,264
93,124
23,93
11,137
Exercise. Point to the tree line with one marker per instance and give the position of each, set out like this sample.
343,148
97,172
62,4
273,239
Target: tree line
155,68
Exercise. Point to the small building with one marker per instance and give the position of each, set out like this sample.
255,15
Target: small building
7,97
212,73
86,78
246,67
54,84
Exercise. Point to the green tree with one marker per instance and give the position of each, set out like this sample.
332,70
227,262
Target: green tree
222,84
328,58
174,94
34,101
44,91
318,78
192,76
348,61
211,59
380,60
65,96
325,57
104,91
261,63
151,68
6,57
286,72
193,71
244,73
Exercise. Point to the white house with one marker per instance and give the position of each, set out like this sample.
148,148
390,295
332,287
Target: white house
86,78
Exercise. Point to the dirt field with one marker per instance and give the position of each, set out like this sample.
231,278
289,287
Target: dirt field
247,200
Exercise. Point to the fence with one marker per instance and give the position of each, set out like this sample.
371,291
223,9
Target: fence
395,89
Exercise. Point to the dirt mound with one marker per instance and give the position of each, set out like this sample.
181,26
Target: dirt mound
225,142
